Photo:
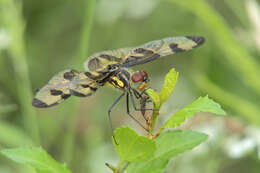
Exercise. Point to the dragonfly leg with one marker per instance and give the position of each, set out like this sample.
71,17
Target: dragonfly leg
134,105
109,115
128,112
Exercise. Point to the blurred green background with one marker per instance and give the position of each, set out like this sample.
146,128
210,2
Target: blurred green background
40,38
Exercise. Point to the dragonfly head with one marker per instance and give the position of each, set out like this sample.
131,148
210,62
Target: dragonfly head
140,77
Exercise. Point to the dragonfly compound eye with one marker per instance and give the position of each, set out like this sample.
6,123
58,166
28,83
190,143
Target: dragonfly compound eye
139,76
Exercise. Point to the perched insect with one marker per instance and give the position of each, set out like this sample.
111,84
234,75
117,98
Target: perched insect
109,68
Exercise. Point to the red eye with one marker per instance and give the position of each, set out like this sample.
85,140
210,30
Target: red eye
144,74
139,76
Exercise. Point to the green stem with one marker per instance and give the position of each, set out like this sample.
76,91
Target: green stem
154,121
111,167
82,54
237,11
86,30
155,97
11,17
118,167
123,167
160,131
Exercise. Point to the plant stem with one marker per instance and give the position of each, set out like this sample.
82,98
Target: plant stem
86,30
82,54
155,97
13,23
123,167
154,120
111,167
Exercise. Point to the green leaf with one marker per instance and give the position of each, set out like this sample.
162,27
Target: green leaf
37,158
173,142
155,97
157,165
169,144
202,104
132,147
169,84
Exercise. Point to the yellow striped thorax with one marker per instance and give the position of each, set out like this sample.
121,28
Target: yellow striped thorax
120,79
115,82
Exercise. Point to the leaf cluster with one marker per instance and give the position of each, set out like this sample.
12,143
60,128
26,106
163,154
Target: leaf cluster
151,154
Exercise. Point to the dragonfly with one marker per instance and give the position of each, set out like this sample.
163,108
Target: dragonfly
110,68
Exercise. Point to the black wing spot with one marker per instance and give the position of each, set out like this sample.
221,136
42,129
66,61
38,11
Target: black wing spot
38,89
56,92
39,104
175,49
91,76
110,57
140,50
143,51
78,94
70,75
132,59
65,96
94,64
85,86
132,62
91,88
197,39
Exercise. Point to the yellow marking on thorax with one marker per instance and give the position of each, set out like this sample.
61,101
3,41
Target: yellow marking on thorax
109,84
120,84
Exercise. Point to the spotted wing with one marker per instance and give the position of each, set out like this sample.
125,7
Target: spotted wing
61,87
99,62
127,57
85,84
159,48
55,91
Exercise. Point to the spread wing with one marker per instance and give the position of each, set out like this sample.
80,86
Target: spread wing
127,57
62,86
159,48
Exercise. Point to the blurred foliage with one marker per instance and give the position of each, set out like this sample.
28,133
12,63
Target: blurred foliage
41,38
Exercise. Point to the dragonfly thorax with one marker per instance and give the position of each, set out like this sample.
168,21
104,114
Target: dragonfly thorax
120,79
